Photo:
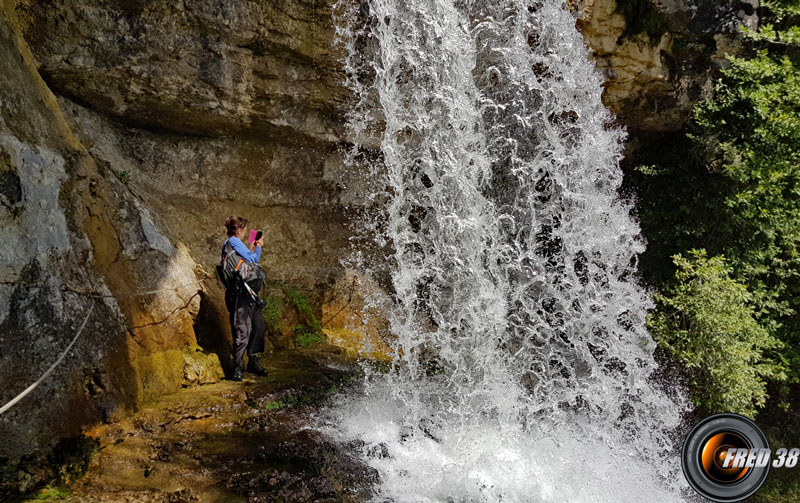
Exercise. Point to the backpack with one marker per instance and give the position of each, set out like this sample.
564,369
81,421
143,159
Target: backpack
233,269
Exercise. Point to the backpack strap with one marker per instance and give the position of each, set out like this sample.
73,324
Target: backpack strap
226,255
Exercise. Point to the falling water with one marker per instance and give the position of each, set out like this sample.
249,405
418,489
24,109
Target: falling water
521,359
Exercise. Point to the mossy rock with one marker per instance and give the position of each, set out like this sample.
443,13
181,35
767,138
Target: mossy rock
304,338
200,367
290,317
159,373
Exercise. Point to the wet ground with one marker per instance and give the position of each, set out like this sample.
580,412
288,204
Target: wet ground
230,442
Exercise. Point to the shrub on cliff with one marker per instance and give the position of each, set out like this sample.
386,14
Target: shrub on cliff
749,133
732,185
706,320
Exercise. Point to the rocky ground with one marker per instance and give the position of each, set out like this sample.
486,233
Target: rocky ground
229,442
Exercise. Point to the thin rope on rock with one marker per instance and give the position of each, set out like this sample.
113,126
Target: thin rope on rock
52,367
133,294
61,357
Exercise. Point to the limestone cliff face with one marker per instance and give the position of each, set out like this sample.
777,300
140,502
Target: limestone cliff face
53,205
660,57
129,131
204,68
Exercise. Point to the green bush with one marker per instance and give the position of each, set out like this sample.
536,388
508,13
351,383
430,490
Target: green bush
749,134
50,493
276,405
732,184
308,330
707,322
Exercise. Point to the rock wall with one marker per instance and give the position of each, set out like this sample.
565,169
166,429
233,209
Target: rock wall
52,207
660,58
204,68
129,132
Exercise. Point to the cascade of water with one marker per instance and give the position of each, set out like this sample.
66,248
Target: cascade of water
521,360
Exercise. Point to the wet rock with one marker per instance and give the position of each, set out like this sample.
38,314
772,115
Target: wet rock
45,254
180,496
200,367
316,454
275,485
221,442
353,317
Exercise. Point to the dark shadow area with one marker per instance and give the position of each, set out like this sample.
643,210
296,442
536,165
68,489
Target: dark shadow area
212,326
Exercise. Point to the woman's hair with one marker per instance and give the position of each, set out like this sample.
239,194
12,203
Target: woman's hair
233,224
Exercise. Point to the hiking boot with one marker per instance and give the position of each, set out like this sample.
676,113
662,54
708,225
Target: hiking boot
254,367
237,373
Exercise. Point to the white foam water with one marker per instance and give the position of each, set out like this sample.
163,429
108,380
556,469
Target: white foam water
522,366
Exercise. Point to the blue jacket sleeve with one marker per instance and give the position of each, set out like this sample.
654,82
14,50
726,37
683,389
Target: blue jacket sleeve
241,249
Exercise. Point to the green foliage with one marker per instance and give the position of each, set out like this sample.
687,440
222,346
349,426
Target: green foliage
308,330
778,25
273,312
123,176
304,338
732,187
773,35
783,9
749,133
292,401
680,205
706,321
303,306
781,427
50,493
777,489
275,405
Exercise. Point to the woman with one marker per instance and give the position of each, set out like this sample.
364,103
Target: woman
247,320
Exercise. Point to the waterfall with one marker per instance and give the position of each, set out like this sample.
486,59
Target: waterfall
522,367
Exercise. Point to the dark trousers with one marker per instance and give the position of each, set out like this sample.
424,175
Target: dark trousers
247,326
